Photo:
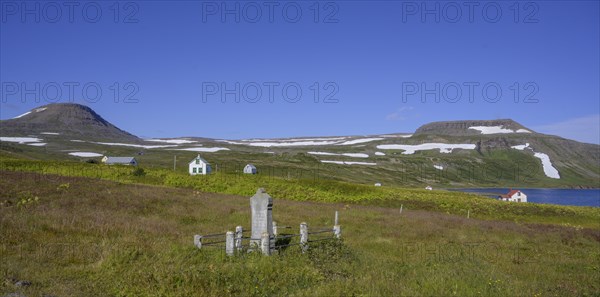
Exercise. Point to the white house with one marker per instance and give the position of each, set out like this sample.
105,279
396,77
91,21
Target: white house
119,160
199,166
514,196
428,188
378,184
250,169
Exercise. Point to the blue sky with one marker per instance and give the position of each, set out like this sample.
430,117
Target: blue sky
179,59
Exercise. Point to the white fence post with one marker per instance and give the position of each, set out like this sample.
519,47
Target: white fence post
274,238
337,231
229,243
265,242
198,241
238,237
304,236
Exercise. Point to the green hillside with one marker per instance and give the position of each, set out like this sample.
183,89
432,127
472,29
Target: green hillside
491,161
66,236
313,188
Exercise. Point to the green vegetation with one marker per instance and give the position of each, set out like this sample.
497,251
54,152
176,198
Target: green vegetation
493,162
75,227
91,237
495,165
316,189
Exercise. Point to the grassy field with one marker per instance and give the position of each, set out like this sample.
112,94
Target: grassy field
312,188
72,236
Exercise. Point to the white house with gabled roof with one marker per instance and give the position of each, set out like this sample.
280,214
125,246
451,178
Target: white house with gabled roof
514,196
199,166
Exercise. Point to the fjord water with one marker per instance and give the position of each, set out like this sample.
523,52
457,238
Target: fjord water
576,197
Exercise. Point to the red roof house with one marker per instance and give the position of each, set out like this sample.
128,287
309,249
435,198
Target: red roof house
514,196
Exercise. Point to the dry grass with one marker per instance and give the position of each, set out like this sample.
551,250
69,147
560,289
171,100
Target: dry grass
101,238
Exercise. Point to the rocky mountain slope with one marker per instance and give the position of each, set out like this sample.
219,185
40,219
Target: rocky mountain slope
470,153
464,128
67,119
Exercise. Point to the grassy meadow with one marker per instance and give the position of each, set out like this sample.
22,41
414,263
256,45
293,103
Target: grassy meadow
83,229
73,236
313,188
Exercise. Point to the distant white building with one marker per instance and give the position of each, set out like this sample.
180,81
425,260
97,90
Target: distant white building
378,184
428,188
199,166
250,169
514,196
119,161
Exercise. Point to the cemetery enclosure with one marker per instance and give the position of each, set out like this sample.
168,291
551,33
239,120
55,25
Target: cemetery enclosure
265,236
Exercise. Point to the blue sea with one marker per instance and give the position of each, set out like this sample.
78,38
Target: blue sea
576,197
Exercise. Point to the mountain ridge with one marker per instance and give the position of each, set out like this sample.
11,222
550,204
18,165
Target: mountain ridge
77,128
464,127
67,115
69,119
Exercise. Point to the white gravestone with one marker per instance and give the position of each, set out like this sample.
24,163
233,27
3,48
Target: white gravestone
261,205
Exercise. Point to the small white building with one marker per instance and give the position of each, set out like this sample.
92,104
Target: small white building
199,166
378,184
428,188
514,196
119,161
250,169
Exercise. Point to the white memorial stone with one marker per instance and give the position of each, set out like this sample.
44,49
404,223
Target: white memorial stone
261,205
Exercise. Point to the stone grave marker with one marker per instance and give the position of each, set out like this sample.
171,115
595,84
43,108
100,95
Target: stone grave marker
261,205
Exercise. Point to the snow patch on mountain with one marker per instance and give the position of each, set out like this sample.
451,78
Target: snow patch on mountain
348,162
360,140
21,140
521,147
411,149
85,154
293,139
173,141
549,169
204,149
281,144
22,115
135,145
497,130
353,155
